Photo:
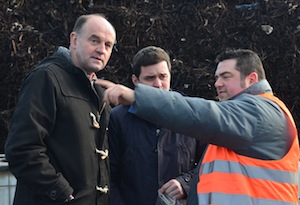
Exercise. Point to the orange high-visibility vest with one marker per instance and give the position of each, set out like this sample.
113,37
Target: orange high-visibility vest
228,178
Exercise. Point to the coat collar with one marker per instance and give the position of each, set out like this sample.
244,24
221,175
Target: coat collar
260,87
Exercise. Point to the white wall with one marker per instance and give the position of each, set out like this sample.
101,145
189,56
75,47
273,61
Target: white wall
7,183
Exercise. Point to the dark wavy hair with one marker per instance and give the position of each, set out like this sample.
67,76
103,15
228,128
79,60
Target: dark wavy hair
149,56
247,61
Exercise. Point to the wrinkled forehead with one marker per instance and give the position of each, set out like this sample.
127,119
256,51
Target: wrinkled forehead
98,26
157,68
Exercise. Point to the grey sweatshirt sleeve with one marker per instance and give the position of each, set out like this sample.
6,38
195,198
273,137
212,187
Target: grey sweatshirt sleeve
234,124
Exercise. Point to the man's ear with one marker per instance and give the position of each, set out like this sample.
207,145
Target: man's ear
134,79
253,78
73,39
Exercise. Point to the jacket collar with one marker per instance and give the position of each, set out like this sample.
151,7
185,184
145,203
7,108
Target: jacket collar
66,54
260,87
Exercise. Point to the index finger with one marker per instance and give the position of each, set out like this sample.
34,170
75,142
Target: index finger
105,83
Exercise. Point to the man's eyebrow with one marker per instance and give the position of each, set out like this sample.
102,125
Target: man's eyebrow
150,75
94,36
166,73
223,73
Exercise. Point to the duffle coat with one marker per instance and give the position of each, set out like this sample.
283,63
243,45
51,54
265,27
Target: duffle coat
57,143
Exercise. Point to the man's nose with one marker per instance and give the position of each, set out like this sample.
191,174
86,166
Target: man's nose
157,83
100,48
218,83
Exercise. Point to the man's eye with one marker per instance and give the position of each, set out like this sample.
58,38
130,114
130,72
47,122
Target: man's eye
94,41
150,78
108,45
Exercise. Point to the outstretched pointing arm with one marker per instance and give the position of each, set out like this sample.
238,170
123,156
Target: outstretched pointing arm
116,93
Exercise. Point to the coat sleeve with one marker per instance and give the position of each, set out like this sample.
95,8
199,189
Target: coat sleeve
232,124
192,197
185,179
25,146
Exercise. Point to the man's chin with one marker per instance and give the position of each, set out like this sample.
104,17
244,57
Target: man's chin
98,67
222,97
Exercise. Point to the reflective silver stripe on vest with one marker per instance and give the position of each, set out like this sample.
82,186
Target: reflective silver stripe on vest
229,199
249,171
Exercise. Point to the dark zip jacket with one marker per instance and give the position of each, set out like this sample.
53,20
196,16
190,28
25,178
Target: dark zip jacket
144,156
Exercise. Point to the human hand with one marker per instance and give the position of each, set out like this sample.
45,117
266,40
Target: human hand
173,189
116,93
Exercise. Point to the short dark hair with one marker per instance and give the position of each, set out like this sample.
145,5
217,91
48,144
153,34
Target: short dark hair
149,55
247,61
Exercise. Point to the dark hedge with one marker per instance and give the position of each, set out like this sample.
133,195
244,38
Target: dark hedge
193,32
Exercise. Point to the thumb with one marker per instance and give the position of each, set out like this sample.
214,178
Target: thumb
163,188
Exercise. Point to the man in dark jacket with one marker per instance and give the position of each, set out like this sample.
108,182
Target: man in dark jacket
145,156
57,145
